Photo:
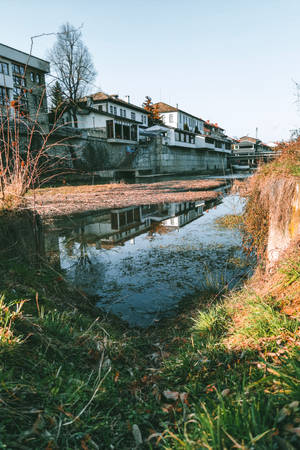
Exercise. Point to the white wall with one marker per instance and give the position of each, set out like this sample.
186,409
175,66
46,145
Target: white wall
180,118
6,80
92,120
113,108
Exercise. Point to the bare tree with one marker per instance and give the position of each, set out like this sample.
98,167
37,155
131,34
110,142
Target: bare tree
73,66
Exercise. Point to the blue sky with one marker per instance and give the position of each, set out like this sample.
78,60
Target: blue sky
232,62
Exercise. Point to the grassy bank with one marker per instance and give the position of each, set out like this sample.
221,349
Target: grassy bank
223,374
225,377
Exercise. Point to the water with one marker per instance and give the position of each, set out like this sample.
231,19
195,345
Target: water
141,262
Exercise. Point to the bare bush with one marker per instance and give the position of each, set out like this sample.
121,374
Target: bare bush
27,150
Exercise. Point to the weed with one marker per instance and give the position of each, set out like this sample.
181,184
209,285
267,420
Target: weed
230,221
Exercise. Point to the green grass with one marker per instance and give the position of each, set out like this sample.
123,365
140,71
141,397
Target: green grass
71,379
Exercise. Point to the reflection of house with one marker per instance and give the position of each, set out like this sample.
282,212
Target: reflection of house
22,81
121,225
110,117
126,223
183,213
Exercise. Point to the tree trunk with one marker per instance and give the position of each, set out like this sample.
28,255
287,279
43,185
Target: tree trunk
74,117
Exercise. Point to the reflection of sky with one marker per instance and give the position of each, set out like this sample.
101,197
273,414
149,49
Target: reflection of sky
145,279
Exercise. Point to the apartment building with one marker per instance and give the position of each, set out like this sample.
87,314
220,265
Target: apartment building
22,83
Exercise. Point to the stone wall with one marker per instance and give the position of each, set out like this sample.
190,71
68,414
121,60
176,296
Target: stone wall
162,158
94,154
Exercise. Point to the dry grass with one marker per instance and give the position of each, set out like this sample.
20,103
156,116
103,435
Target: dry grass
75,199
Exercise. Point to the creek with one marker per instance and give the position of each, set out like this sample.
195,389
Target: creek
140,263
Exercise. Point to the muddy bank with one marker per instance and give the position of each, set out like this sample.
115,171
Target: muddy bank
77,199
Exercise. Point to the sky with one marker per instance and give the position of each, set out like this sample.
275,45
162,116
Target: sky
234,62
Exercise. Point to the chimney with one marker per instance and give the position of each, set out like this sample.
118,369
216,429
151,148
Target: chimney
128,98
176,105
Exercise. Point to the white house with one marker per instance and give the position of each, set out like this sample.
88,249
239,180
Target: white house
181,138
250,145
22,82
110,117
176,118
187,130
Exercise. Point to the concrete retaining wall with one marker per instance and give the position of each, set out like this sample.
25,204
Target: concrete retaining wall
94,154
166,159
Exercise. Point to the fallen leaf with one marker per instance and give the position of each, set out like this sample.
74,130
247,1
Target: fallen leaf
183,397
225,392
171,395
116,377
137,434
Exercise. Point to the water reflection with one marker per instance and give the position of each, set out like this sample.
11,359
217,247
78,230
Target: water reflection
141,261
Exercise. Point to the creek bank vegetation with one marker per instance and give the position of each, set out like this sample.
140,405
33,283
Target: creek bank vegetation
223,376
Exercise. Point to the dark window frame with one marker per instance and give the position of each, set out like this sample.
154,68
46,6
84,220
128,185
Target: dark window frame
2,65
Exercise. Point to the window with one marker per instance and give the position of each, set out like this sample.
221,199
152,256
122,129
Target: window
124,112
4,68
171,118
4,96
19,92
100,108
110,129
20,70
38,78
122,219
177,136
118,131
133,116
114,221
115,110
111,110
126,132
137,215
209,140
32,77
144,119
19,81
133,132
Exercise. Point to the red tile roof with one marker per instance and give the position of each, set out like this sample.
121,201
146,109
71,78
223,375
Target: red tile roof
164,107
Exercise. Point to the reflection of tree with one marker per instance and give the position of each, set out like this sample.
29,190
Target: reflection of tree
157,228
87,270
81,239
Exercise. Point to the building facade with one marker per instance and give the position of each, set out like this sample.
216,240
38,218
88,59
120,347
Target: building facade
22,84
191,131
108,116
181,120
250,145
